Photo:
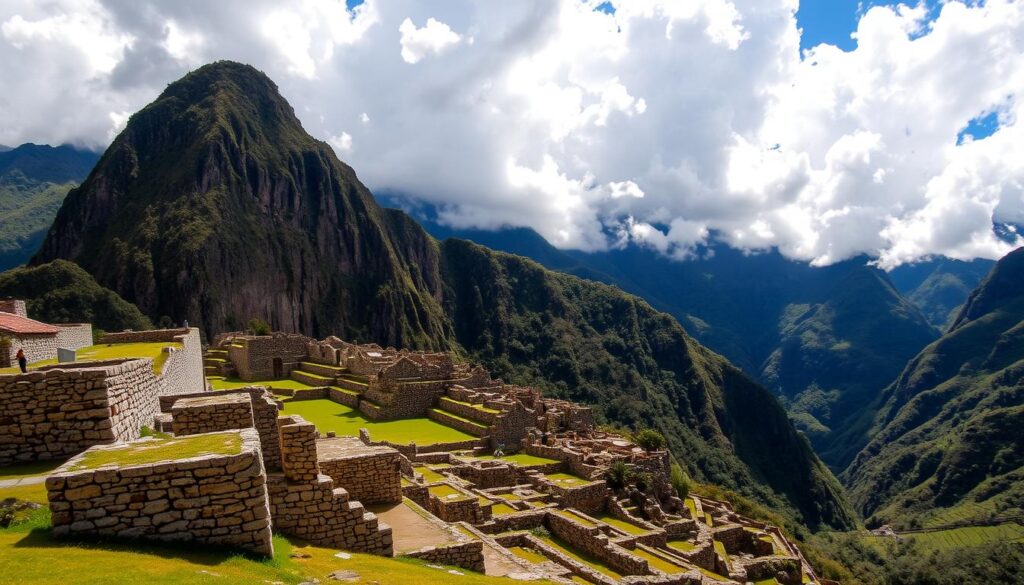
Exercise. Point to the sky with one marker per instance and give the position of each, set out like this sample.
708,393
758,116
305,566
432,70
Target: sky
825,129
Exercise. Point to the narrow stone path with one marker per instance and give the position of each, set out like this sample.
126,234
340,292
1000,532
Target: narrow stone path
32,480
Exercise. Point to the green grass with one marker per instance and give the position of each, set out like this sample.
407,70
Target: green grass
502,509
461,418
447,493
692,507
567,480
479,407
31,556
658,562
970,536
111,351
528,554
167,449
575,517
720,549
521,459
682,545
328,415
30,469
564,548
220,383
29,493
627,527
430,475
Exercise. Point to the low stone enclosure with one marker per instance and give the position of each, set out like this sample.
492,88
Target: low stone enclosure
528,493
59,410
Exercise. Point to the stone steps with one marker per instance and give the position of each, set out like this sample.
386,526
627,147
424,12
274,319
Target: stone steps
311,379
463,424
350,384
475,413
322,370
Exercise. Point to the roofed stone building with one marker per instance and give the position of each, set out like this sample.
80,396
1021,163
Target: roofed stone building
39,340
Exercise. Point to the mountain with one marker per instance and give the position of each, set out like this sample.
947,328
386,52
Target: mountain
946,441
33,181
940,286
214,205
61,292
825,340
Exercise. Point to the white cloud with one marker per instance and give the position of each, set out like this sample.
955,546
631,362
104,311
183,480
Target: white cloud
434,37
342,144
665,124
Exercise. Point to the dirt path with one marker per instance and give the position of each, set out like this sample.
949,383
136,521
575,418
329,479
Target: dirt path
410,530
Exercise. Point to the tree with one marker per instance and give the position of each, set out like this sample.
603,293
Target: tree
649,439
258,327
618,475
680,481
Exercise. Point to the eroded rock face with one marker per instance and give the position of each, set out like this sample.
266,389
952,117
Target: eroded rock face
214,205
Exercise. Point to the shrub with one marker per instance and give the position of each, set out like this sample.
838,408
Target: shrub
649,439
679,480
258,327
642,481
618,475
540,532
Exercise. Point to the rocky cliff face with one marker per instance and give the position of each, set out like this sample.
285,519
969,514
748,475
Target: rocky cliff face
214,205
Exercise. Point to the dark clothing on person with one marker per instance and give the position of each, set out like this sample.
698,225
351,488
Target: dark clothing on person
22,361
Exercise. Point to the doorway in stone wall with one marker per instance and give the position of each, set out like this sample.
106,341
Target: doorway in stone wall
278,368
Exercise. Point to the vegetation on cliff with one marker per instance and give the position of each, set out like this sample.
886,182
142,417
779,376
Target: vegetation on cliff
61,292
946,442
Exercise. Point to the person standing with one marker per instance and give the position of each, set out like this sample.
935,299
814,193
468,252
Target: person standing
22,361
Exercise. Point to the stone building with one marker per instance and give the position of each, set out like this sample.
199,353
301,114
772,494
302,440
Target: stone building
39,341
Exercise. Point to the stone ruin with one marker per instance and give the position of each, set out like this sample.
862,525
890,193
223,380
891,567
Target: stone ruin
545,493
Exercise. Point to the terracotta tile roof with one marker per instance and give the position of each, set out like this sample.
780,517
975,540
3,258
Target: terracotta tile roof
11,323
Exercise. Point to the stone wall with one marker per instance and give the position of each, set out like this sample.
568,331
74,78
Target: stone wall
74,336
595,543
370,474
209,414
304,503
255,360
264,416
182,371
468,555
14,306
61,410
36,347
210,499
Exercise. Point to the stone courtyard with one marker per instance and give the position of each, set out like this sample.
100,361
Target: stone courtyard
367,449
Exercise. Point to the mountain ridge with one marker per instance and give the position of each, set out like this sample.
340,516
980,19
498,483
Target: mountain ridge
218,168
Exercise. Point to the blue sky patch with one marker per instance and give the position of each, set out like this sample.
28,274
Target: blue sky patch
979,127
833,21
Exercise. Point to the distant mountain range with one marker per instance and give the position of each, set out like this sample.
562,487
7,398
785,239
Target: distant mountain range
947,437
33,182
825,340
214,205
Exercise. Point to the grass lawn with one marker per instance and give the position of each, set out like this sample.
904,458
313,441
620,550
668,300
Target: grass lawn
521,459
567,480
561,546
528,554
31,556
112,351
30,469
162,449
502,509
430,475
658,562
220,383
29,493
328,415
682,545
446,492
720,549
576,518
622,525
970,536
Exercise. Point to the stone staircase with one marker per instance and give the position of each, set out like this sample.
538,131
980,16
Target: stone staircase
215,363
469,417
317,374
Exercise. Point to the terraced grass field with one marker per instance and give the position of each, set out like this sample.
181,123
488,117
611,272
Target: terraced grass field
111,351
970,536
219,383
328,415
